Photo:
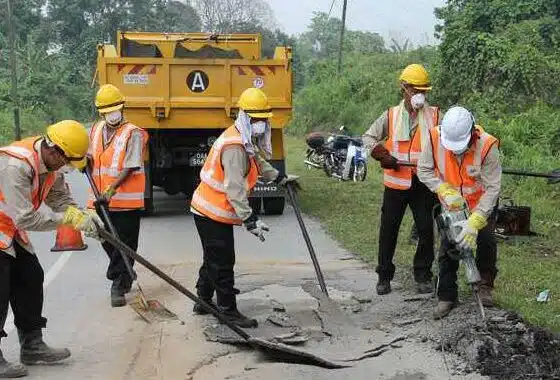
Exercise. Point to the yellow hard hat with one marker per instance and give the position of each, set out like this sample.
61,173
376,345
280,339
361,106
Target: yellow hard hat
72,138
255,103
416,76
108,99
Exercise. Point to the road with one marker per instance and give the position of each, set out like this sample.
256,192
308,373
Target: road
114,343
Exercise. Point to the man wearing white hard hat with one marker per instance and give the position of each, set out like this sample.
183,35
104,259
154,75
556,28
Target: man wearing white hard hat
460,162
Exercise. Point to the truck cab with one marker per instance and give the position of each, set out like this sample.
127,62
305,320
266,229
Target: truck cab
183,88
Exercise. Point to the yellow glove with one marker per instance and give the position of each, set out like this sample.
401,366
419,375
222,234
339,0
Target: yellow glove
467,237
449,197
83,220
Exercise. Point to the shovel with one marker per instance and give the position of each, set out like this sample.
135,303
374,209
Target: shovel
147,309
553,176
275,351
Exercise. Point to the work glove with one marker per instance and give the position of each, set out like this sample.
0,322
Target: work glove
105,197
256,226
284,180
381,154
450,197
83,220
469,232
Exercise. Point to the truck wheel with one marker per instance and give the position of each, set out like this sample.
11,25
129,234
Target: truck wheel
255,203
274,205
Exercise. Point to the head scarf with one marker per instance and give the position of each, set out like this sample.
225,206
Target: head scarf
264,144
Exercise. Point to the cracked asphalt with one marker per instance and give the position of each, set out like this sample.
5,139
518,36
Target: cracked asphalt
109,343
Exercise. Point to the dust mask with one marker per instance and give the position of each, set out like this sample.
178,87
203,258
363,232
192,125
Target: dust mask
460,152
417,101
258,128
113,118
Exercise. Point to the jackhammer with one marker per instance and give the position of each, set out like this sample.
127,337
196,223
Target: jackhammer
449,230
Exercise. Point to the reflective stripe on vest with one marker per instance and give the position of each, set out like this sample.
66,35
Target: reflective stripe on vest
465,177
23,150
108,164
210,197
408,151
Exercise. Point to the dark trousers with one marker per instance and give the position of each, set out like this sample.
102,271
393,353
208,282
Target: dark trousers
127,224
486,257
421,201
216,273
21,286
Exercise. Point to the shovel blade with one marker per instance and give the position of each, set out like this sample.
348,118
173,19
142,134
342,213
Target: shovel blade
153,312
280,352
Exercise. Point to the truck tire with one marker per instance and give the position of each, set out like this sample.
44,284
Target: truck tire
274,205
255,203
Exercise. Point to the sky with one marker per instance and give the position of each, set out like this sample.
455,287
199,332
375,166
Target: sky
403,19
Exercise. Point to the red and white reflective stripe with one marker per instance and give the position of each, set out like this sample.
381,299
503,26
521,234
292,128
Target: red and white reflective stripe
216,154
115,172
120,145
198,200
97,130
207,178
397,181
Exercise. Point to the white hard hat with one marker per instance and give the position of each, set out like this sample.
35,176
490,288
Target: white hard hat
456,128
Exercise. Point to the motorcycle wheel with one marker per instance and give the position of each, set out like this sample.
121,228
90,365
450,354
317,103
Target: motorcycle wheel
359,171
328,166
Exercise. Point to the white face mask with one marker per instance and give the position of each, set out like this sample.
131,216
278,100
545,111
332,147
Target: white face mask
417,101
258,128
460,152
113,118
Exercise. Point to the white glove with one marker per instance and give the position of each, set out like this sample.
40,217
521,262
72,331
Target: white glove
467,237
256,226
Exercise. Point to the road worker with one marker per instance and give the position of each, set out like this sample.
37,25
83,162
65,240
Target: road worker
30,175
461,164
117,164
404,127
230,172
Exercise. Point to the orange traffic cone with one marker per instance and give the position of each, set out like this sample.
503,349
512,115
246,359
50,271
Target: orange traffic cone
68,239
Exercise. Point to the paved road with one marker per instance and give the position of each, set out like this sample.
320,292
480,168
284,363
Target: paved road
112,343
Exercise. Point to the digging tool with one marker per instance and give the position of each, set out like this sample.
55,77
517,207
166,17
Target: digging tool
297,210
142,306
553,176
275,351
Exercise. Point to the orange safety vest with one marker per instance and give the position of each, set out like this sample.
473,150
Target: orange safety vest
210,197
108,164
465,177
25,151
408,151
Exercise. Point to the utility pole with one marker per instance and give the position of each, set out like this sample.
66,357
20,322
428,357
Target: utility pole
341,47
13,92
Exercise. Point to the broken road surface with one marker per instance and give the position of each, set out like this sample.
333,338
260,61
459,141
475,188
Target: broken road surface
390,337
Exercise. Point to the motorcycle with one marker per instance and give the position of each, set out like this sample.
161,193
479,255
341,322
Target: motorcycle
339,155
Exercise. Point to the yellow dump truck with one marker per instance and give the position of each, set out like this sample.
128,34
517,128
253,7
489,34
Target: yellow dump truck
183,89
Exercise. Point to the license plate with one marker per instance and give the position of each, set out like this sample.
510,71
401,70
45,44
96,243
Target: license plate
197,159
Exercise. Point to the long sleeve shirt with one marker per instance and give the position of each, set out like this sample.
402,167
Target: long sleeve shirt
235,162
16,183
379,130
490,177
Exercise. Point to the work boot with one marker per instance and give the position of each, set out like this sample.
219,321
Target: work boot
34,351
485,290
117,295
11,370
235,317
383,287
199,310
424,287
443,308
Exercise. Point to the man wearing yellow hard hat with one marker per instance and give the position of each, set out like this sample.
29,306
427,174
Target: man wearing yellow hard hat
117,165
397,135
230,172
30,176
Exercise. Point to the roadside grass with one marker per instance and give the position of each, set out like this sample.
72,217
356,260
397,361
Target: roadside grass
350,213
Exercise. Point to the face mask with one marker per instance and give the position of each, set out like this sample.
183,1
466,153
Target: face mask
460,152
258,128
417,101
113,118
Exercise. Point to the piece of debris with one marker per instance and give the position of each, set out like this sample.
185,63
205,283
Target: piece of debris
418,298
345,258
249,367
282,320
407,322
544,296
379,350
362,298
277,306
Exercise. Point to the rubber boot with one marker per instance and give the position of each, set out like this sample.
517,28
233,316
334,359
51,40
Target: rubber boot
117,295
443,308
11,370
34,351
485,290
383,287
229,310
